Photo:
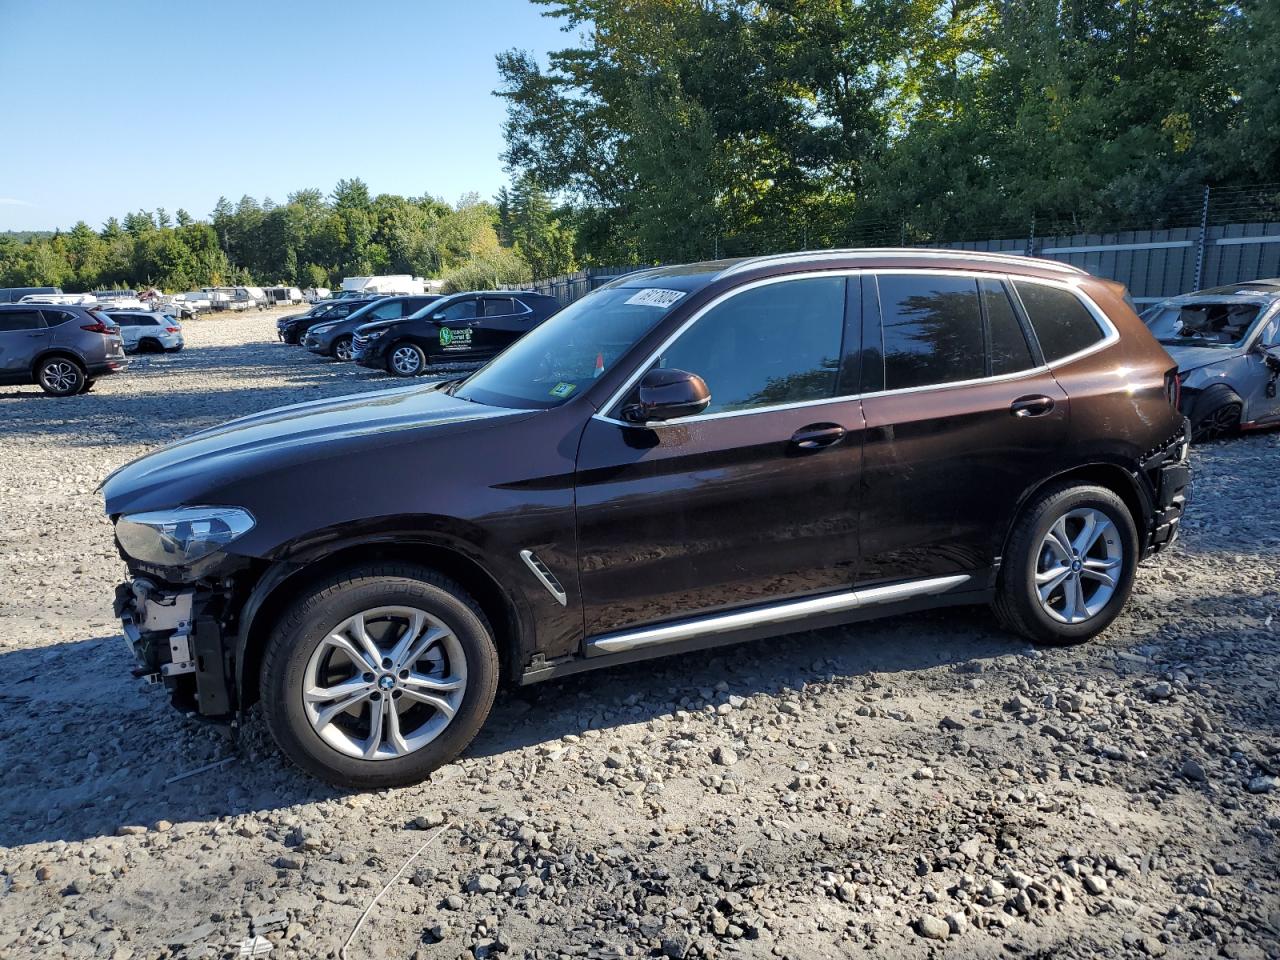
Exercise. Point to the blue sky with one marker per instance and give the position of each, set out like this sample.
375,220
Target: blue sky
137,104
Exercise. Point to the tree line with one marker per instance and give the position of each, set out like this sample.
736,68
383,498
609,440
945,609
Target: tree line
311,240
679,129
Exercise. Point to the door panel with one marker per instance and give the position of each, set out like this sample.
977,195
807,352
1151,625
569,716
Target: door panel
943,470
680,520
457,328
504,322
22,335
754,501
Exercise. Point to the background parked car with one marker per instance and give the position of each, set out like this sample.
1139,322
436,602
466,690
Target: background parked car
462,328
1226,342
148,332
292,328
14,294
62,348
333,339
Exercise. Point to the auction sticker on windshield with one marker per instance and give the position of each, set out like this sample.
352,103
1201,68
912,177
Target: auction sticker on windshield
656,297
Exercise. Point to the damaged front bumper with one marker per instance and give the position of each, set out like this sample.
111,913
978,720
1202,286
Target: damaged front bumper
176,640
1170,476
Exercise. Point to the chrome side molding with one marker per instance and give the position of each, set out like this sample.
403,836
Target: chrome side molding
782,612
545,576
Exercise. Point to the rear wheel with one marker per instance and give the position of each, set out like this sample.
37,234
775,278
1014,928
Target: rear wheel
379,676
341,349
60,376
1070,565
406,360
1216,413
150,345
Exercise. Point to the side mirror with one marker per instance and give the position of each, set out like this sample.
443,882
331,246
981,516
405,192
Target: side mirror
666,395
438,316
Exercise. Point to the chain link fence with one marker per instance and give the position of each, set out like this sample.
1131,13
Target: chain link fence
1222,235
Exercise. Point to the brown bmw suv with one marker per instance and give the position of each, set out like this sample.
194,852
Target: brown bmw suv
687,457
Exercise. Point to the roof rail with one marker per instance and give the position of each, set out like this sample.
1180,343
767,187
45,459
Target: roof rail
873,252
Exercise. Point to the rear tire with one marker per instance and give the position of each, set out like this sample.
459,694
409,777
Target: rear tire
406,360
341,349
1058,595
1216,413
150,345
60,376
380,602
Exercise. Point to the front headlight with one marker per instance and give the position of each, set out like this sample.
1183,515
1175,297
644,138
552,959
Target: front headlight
178,538
323,328
373,334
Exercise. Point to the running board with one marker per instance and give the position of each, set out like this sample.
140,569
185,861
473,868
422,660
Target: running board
783,612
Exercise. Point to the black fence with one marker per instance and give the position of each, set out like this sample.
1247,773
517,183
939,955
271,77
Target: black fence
1226,236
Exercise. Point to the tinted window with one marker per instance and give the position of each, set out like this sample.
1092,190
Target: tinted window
1062,323
932,330
462,310
1009,350
55,317
20,320
778,343
386,311
499,307
135,320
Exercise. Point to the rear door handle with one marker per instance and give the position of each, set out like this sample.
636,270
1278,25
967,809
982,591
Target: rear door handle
1036,406
816,436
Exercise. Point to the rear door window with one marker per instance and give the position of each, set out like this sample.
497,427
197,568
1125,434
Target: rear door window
773,344
387,311
500,307
20,320
1063,324
932,330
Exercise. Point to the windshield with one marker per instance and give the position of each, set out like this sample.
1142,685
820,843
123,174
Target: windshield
559,359
1202,324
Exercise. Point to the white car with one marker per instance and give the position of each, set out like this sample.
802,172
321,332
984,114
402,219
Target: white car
146,332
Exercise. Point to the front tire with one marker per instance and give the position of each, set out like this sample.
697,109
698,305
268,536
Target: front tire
60,376
406,360
378,676
341,349
1069,567
1216,413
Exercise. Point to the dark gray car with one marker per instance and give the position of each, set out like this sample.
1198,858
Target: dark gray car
334,339
62,348
1226,342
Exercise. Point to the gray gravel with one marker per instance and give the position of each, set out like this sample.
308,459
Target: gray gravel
892,790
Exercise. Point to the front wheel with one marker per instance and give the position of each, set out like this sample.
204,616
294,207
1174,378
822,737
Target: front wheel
341,349
60,377
406,360
379,676
1069,567
1216,413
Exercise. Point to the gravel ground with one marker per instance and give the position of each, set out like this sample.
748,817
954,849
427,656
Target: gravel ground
905,788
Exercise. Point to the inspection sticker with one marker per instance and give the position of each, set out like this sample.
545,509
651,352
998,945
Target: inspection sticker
562,389
656,297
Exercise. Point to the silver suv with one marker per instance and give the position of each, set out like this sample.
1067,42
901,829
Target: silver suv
61,347
1226,342
145,332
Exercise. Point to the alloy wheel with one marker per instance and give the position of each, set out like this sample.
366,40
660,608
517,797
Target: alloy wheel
59,376
1221,421
406,361
342,349
384,683
1079,565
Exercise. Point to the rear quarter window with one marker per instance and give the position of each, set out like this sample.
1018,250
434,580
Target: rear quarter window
1063,324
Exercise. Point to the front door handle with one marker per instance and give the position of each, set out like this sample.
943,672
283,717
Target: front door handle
1036,406
816,436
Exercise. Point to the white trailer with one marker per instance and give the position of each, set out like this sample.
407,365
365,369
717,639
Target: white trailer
397,284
